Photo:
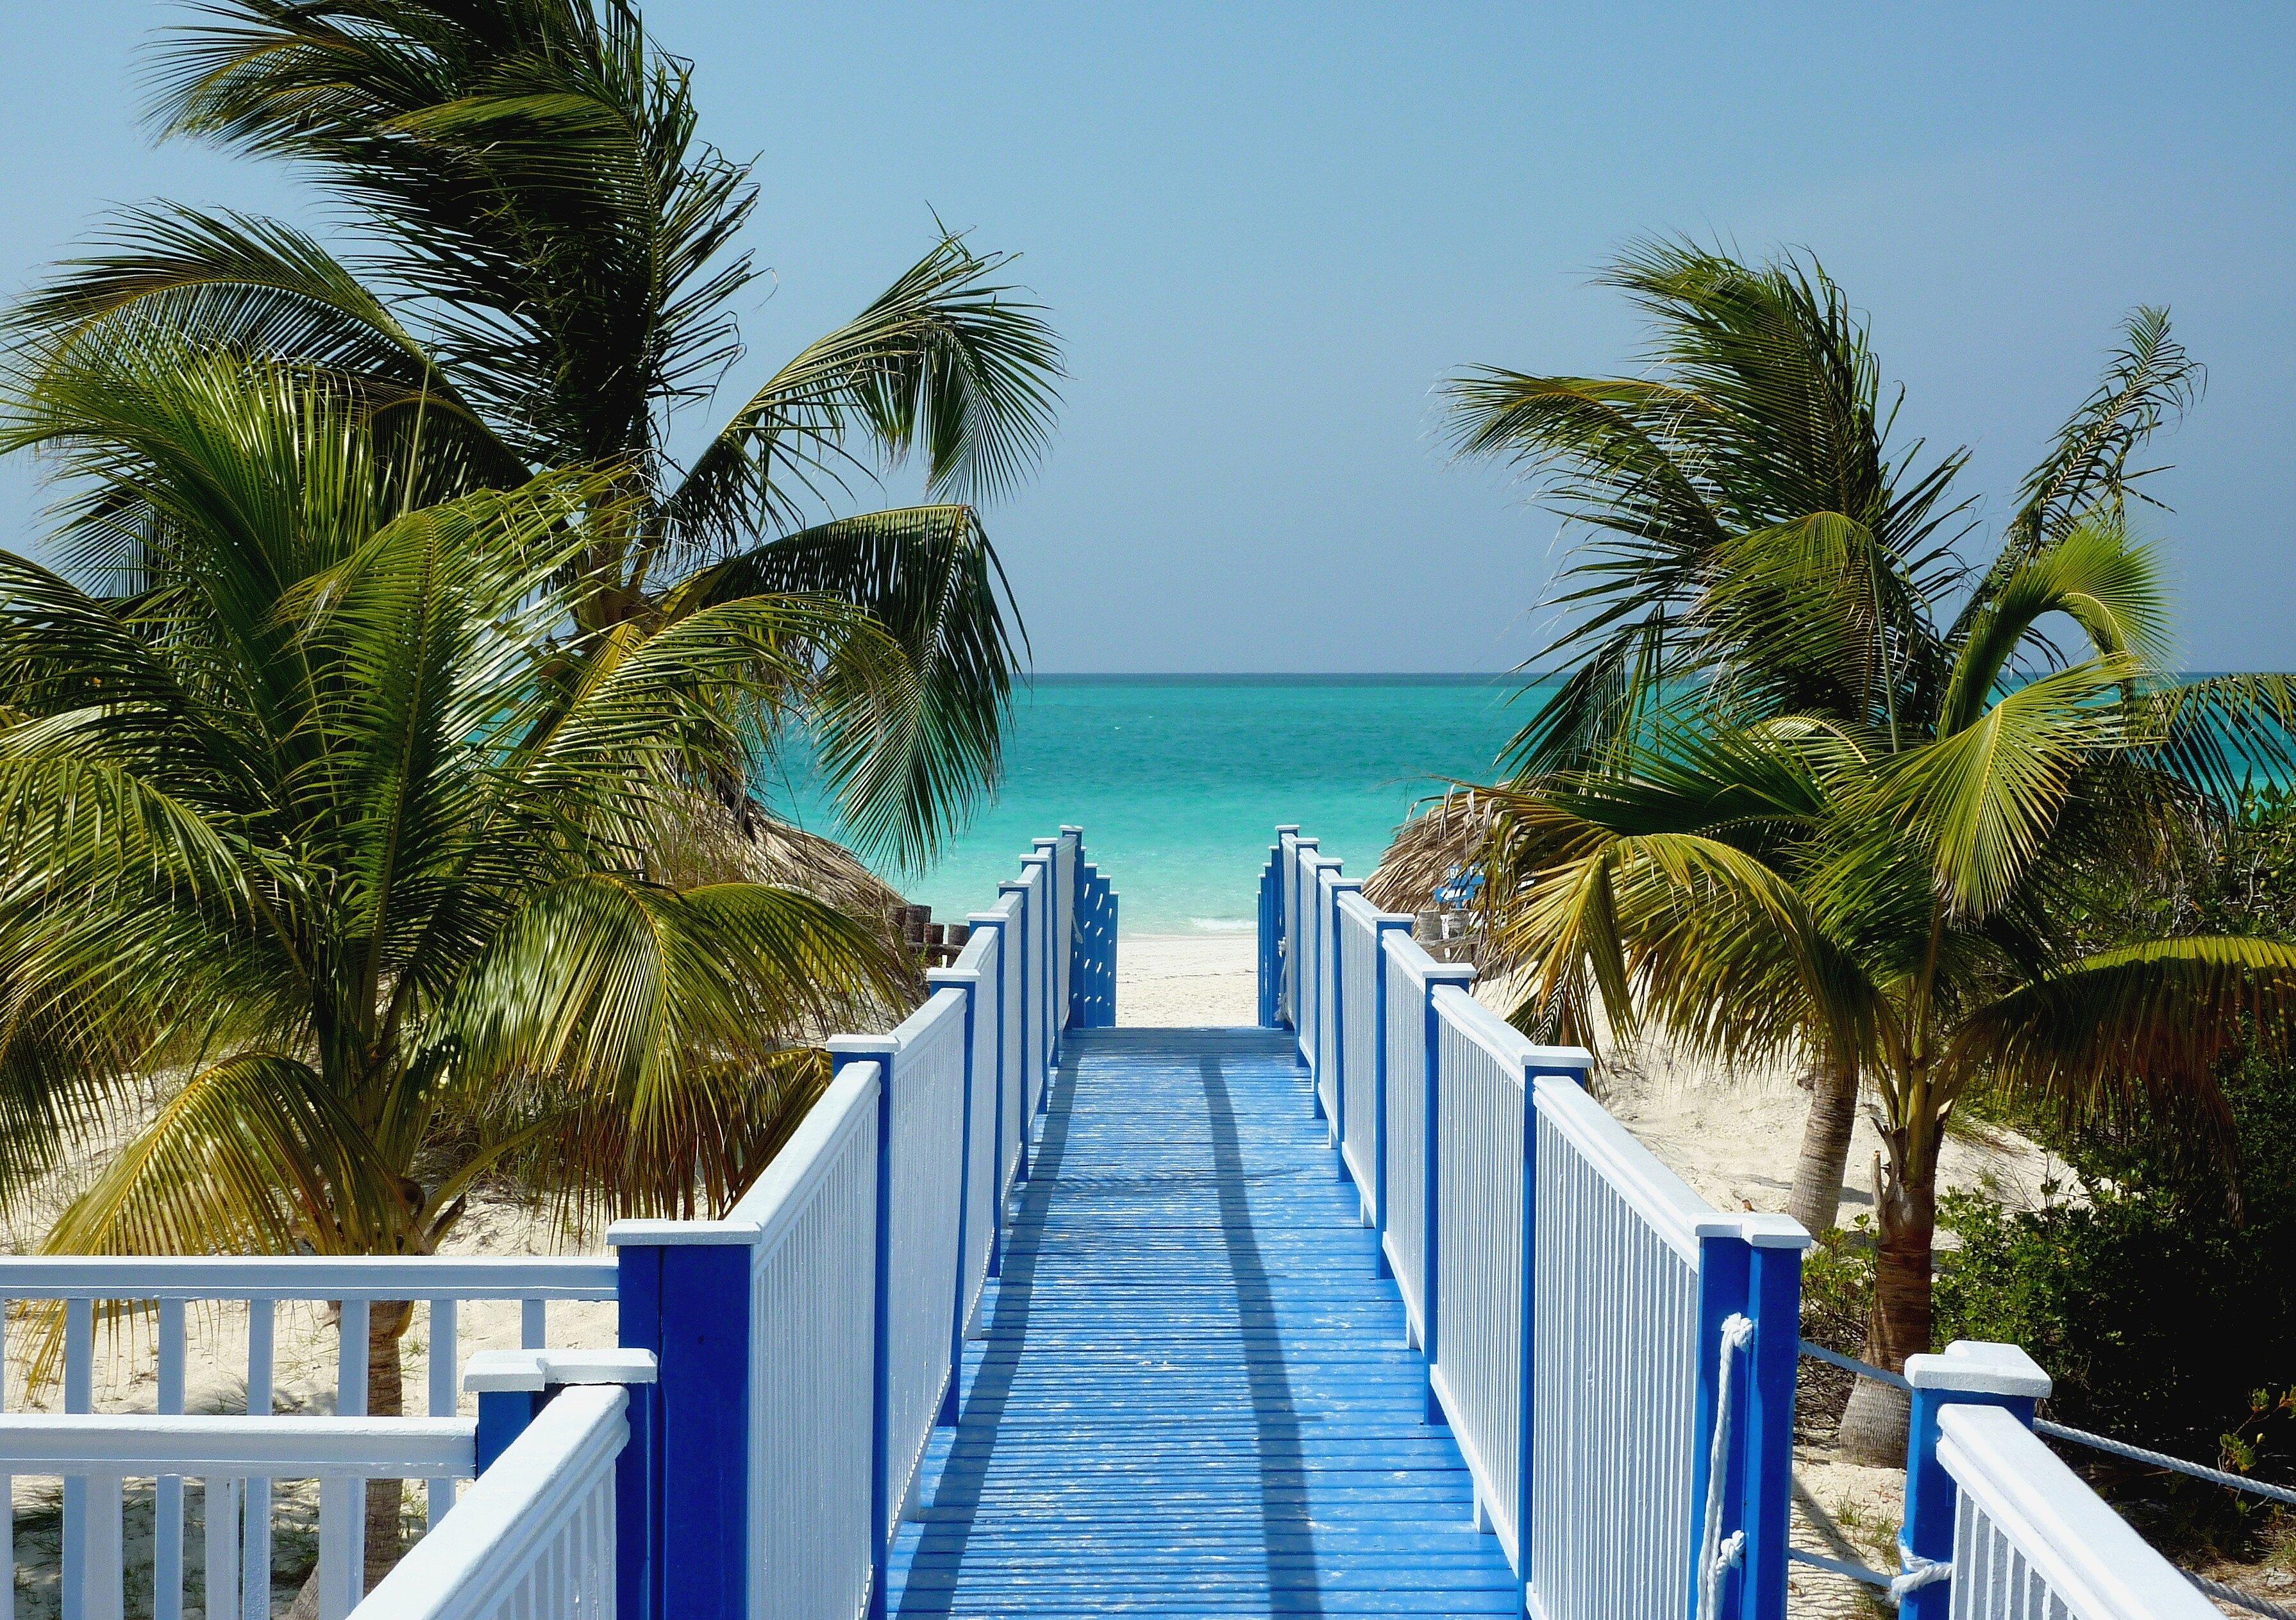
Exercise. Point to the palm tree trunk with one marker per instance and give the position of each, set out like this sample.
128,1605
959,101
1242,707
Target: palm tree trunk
1815,1200
1874,1424
386,1397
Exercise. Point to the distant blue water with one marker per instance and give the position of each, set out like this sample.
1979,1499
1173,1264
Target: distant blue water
1178,781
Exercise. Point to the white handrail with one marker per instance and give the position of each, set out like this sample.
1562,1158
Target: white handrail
779,1196
263,1281
136,1444
534,1537
237,1457
1571,1370
289,1277
1661,1197
892,1140
2026,1519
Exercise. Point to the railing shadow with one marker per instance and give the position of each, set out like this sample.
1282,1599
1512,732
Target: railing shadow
1286,1521
956,1504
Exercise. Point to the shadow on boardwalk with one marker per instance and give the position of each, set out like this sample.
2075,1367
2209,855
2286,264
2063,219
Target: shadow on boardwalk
1191,1395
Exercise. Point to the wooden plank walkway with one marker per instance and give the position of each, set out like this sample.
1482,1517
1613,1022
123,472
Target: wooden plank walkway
1193,1394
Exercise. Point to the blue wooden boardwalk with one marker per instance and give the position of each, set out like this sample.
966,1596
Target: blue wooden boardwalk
1192,1396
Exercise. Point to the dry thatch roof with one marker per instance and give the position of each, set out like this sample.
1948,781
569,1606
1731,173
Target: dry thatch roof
1427,850
701,839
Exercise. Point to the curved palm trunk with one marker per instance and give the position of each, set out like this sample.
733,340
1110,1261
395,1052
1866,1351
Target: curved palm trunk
1874,1424
1815,1200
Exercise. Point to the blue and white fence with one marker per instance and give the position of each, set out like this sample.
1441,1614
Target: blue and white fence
750,1452
1589,1324
1616,1358
810,1342
86,1287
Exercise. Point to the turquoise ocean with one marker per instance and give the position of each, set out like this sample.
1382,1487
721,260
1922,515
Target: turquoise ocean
1179,781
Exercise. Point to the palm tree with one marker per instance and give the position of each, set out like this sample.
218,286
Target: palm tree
338,832
547,274
1754,465
1754,866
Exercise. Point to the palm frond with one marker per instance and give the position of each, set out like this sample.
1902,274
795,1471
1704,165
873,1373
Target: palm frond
947,362
1981,802
912,761
2142,1028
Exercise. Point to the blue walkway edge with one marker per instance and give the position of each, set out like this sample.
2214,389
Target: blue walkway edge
1189,1393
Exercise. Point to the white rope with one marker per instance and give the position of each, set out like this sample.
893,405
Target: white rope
1919,1572
1719,1555
2161,1460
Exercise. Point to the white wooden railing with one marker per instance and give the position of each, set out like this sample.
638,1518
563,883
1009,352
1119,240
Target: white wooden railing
865,1253
535,1537
232,1457
1616,1357
1569,1293
807,1345
2032,1541
86,1286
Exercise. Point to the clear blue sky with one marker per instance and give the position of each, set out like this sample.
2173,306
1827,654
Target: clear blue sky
1267,231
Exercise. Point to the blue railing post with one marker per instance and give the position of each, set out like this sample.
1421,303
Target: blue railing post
1092,973
1020,940
882,1051
965,982
1280,921
512,1385
1269,964
1774,1298
1295,909
992,1008
1970,1372
1725,1268
1382,930
1055,1016
1576,1064
1430,1267
1338,1055
684,1292
1312,910
1110,906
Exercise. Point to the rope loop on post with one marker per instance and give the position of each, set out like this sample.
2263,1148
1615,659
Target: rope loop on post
1719,1555
1919,1572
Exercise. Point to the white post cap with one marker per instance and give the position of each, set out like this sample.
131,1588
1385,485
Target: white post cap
534,1370
1980,1367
